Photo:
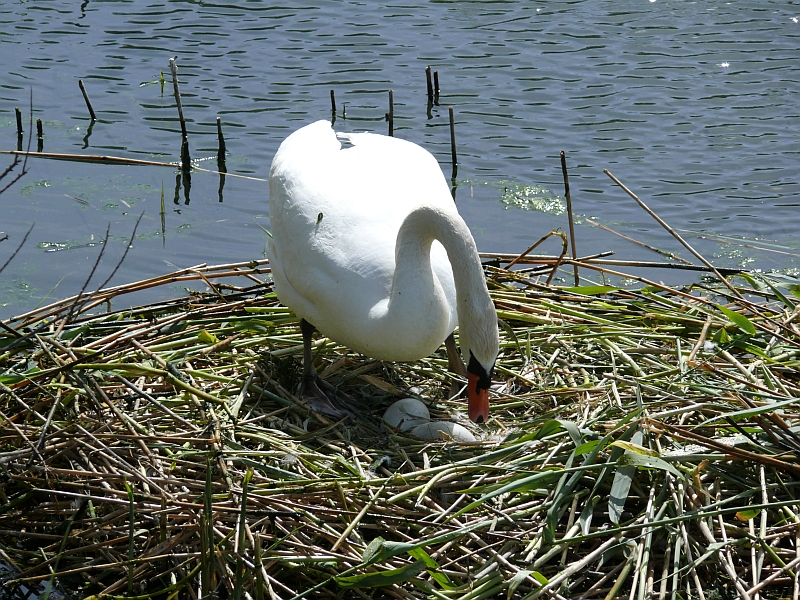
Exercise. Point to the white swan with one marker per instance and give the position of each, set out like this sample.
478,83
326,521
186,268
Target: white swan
367,245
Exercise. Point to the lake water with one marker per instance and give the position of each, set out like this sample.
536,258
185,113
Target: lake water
693,105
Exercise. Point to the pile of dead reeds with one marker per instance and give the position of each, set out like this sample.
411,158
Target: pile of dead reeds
643,444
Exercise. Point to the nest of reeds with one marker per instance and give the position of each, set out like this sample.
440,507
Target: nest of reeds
643,444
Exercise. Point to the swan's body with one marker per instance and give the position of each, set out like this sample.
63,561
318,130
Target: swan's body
367,245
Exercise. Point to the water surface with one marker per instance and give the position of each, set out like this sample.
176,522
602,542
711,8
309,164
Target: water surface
694,105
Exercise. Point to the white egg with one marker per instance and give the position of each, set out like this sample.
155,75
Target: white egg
443,430
406,413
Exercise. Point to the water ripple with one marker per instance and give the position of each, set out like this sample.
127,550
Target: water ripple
693,105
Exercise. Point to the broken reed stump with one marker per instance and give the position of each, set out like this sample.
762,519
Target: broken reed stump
453,155
39,135
18,114
569,215
173,67
222,149
390,114
86,99
429,84
186,161
220,137
221,166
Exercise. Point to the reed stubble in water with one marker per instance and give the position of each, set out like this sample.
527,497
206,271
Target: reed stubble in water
390,114
221,149
186,161
39,136
568,197
453,154
89,106
18,114
173,67
429,84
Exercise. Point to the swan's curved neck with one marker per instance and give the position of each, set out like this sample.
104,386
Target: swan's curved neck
413,252
416,291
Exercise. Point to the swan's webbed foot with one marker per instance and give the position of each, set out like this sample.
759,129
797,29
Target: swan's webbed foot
325,399
321,396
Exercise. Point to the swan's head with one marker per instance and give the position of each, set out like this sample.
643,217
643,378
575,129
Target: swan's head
480,344
479,379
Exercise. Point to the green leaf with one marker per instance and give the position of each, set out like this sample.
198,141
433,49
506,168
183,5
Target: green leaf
433,568
647,462
747,413
511,333
750,279
587,513
755,350
739,320
721,336
632,447
573,431
7,341
206,337
587,447
519,484
551,427
373,550
380,550
623,477
746,515
381,578
555,425
73,333
591,290
521,576
779,294
254,326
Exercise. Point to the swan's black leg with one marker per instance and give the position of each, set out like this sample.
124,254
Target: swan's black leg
307,329
320,394
454,363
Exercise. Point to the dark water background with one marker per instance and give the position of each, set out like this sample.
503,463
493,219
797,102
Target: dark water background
694,105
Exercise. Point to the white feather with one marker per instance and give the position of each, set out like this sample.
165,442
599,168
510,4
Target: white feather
367,245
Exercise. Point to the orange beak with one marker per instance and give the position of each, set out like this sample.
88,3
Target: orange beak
478,400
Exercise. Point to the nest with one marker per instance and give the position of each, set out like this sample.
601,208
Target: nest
642,444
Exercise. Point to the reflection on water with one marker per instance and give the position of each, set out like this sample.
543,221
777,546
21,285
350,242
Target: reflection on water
692,105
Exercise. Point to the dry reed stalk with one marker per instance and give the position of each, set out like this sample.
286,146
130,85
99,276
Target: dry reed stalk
116,160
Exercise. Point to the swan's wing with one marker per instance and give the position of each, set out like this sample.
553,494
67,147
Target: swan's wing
330,248
335,213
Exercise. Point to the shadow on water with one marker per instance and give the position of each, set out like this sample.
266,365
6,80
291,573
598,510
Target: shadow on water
88,135
19,591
